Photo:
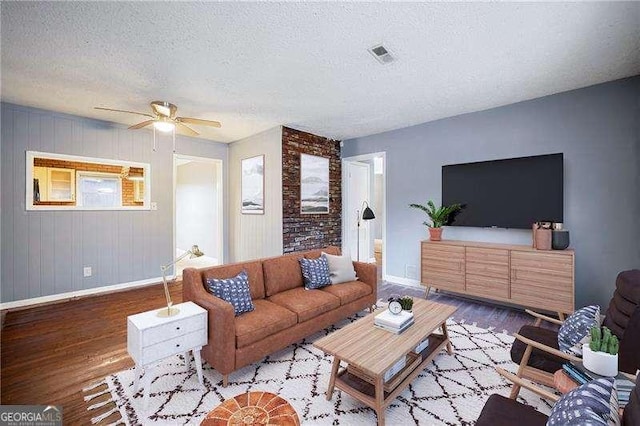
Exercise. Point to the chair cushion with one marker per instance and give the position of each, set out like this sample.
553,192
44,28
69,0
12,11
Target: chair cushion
501,411
625,299
631,416
266,319
629,354
254,271
315,272
539,359
341,268
574,332
594,403
348,292
282,273
233,290
306,303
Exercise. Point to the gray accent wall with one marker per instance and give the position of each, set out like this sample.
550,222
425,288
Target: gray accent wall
597,129
43,252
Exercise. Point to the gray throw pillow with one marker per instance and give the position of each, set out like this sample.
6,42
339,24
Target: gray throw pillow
340,268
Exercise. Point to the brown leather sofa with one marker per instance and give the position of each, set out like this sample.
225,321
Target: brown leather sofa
284,311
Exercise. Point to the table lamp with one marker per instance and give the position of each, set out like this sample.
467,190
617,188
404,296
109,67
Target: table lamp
170,311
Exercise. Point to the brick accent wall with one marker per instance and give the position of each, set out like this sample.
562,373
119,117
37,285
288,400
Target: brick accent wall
127,185
309,231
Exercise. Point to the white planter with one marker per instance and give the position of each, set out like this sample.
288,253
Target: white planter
600,363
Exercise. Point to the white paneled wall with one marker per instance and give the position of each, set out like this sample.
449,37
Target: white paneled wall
44,252
255,236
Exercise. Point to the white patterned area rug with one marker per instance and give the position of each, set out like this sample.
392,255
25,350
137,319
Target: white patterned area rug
451,391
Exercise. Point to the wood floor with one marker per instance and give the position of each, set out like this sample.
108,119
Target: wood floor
49,353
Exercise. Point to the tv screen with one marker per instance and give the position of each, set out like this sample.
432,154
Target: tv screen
511,193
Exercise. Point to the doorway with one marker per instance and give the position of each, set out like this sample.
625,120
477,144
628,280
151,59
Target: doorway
364,184
198,210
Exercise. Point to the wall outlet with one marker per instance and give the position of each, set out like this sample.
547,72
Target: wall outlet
411,272
154,205
86,271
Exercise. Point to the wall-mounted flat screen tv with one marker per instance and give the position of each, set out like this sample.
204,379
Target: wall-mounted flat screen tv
510,193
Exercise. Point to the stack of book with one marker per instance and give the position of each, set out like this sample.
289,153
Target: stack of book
581,375
395,323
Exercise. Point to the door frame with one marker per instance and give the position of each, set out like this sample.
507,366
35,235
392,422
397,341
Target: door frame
220,200
345,192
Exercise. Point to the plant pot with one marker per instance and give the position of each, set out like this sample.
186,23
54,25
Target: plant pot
600,363
435,234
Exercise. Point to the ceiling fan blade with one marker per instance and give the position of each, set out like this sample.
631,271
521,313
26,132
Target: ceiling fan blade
199,121
164,109
122,110
185,129
141,125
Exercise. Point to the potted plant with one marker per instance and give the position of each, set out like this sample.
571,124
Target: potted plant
601,355
438,216
407,303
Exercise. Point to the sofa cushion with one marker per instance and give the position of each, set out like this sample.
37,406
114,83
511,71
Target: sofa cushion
266,319
233,290
538,359
306,303
315,272
348,292
254,271
574,332
314,254
281,274
501,411
340,268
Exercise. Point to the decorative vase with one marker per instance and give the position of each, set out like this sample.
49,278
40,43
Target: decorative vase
600,363
559,239
435,234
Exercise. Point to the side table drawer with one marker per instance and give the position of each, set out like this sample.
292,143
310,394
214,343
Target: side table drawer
173,329
174,346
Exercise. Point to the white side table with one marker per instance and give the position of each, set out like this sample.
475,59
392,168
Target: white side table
151,338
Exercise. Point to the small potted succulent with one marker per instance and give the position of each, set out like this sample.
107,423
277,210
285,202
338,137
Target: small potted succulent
407,303
601,355
439,217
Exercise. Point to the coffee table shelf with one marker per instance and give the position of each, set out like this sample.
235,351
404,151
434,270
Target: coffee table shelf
369,352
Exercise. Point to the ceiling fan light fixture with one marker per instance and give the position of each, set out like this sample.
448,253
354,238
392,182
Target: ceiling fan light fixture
164,126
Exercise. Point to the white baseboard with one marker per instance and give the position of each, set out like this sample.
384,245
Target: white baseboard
402,281
79,293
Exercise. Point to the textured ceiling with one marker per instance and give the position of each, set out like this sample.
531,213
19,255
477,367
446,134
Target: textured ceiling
253,66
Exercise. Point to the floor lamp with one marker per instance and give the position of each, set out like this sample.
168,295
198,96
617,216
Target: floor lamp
367,214
169,312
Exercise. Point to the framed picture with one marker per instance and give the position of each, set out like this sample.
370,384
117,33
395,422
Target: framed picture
253,185
314,184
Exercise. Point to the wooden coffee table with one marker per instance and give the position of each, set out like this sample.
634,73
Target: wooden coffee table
370,352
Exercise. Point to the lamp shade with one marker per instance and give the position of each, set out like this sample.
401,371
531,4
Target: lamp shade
367,214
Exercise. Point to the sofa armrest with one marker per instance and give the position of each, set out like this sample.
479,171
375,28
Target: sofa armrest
221,319
368,274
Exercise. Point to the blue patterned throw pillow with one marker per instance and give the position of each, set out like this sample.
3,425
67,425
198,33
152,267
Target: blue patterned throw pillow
315,272
233,290
575,330
594,403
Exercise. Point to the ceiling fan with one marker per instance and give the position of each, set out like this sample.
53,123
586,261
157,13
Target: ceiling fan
163,118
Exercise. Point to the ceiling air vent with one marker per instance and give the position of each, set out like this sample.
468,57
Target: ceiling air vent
382,54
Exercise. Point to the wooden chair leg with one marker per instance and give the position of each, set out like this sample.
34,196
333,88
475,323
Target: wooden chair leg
225,380
523,364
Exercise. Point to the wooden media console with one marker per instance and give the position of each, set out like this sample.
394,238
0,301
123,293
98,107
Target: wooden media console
518,274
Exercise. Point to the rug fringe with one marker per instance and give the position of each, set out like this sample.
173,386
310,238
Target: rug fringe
101,417
95,395
100,404
94,385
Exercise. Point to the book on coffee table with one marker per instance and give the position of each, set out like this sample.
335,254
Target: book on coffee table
397,321
394,329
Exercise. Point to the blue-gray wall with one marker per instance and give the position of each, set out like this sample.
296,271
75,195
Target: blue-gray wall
43,252
597,129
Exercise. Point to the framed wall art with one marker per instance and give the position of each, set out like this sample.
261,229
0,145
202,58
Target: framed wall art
253,185
314,184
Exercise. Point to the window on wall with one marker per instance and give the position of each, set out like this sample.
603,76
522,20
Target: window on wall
99,190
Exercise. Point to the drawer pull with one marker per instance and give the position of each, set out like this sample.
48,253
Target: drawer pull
177,345
177,328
